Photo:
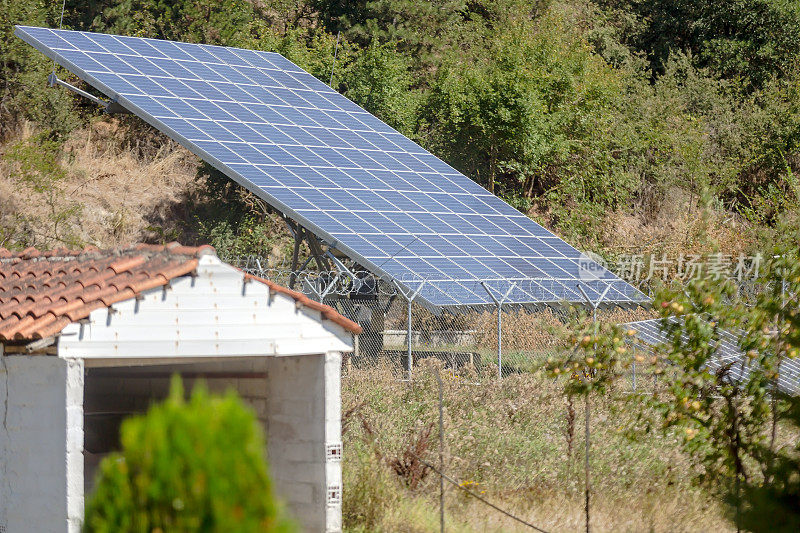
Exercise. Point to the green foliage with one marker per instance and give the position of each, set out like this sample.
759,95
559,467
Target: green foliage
418,26
534,106
227,23
24,94
194,465
754,40
378,79
309,48
775,506
729,423
599,356
230,218
723,419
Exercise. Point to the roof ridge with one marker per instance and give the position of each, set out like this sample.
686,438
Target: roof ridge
326,310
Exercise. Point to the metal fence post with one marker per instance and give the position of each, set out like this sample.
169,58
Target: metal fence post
409,296
499,303
441,452
409,359
587,480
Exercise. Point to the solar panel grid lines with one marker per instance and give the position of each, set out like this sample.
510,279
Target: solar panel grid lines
331,166
651,334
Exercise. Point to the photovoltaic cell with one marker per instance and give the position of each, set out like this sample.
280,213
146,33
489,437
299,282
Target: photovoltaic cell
650,334
337,170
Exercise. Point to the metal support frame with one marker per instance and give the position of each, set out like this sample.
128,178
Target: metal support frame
499,303
110,107
321,294
295,256
341,266
594,306
301,234
409,296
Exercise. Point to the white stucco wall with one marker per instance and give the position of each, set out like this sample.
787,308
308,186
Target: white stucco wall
216,320
41,442
218,313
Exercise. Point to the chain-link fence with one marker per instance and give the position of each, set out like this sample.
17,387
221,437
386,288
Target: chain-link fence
400,333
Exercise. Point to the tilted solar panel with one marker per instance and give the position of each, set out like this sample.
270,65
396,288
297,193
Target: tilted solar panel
340,172
651,334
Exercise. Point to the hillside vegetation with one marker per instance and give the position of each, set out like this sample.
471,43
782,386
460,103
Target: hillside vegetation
624,125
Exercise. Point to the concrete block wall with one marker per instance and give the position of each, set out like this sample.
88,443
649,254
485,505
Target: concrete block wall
41,444
298,403
304,418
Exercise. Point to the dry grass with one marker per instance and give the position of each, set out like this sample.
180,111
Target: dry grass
511,442
679,226
119,185
523,331
121,188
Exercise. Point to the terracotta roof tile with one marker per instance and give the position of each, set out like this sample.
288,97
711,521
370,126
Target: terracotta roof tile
55,327
41,292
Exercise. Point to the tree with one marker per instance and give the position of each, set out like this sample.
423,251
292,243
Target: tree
194,465
24,94
378,79
751,39
532,115
226,23
729,410
775,506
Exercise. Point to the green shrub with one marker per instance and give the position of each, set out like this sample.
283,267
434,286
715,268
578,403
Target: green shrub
195,465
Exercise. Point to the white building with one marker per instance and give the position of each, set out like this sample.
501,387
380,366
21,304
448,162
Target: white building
89,337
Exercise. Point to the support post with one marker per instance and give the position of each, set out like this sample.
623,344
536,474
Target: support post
409,296
410,357
499,303
499,341
298,239
441,453
587,433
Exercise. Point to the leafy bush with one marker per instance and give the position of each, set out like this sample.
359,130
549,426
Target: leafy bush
187,466
378,79
773,507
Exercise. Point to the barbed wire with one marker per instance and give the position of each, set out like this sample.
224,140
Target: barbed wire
322,284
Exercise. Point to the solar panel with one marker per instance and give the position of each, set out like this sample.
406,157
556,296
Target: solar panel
340,172
651,334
